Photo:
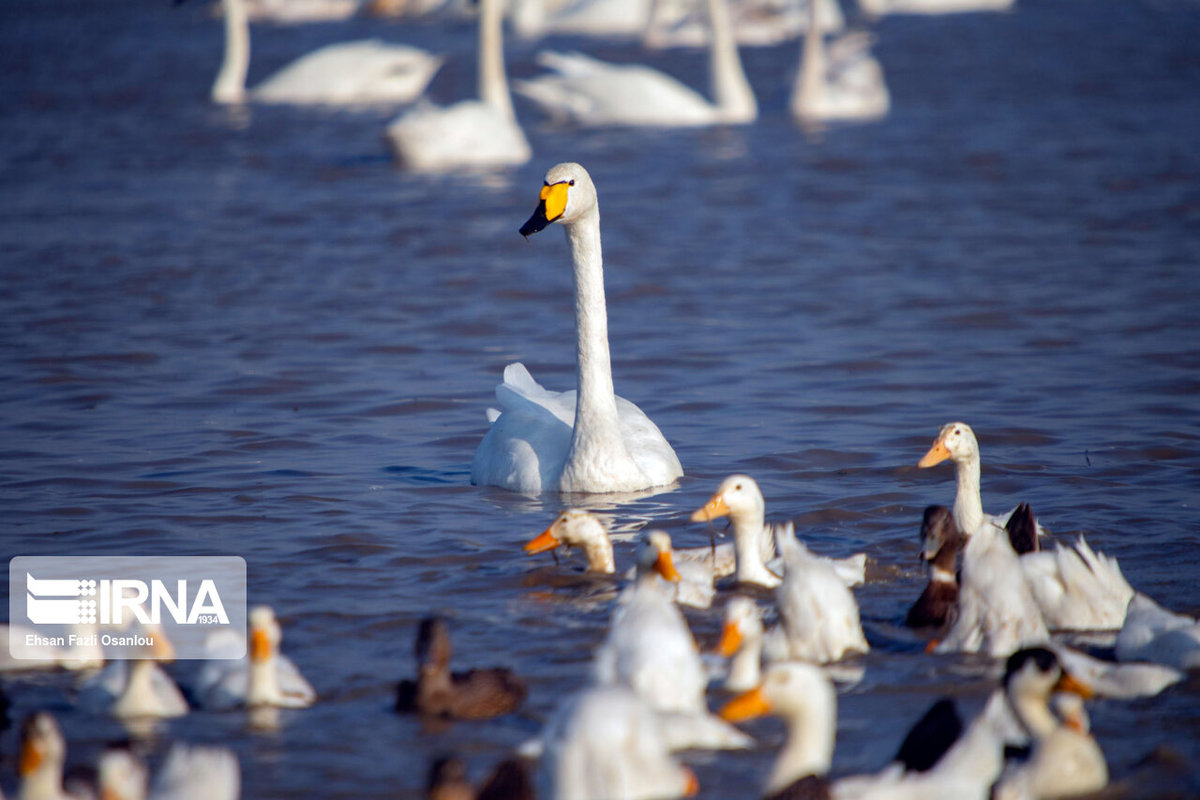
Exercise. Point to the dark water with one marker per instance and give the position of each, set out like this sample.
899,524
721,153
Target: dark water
247,333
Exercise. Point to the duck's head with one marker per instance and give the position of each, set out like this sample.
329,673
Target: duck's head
121,776
939,529
567,194
654,555
789,689
743,622
955,441
1033,674
42,744
265,634
575,527
737,495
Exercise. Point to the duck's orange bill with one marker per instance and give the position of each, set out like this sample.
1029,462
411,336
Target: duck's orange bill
162,649
1069,683
936,455
543,542
731,640
664,566
31,758
260,646
715,507
746,705
691,786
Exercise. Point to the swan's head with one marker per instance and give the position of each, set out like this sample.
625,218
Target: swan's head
121,776
737,495
937,530
42,745
575,527
654,555
1033,674
265,634
567,194
955,441
790,689
743,623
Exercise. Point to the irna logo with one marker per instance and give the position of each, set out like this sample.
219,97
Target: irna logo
119,601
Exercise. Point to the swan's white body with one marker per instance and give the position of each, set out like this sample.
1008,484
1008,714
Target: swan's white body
294,11
589,92
1073,588
585,441
350,73
133,690
1152,633
262,677
996,612
481,132
758,23
604,743
650,649
838,81
188,773
1077,588
819,619
739,498
880,7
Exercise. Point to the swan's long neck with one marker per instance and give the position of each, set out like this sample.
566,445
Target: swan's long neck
808,87
968,505
730,88
493,83
230,86
596,442
809,746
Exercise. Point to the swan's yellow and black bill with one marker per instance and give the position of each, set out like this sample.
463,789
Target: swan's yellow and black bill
552,202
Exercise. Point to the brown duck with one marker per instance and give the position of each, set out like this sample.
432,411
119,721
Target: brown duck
474,694
940,542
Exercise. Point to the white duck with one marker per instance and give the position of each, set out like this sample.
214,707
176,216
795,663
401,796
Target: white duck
742,643
693,581
482,132
262,677
188,773
138,689
739,498
1152,633
605,743
818,616
547,441
839,80
362,72
577,527
1075,588
589,92
40,763
650,649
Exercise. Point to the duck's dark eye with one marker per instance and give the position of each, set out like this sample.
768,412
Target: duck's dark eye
737,488
571,182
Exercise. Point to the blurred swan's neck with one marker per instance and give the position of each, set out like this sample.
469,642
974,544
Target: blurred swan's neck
806,93
597,453
730,89
230,86
493,83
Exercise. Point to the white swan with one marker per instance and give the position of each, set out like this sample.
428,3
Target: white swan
367,71
263,677
482,132
759,23
839,80
650,649
818,616
188,773
1152,633
739,498
589,92
1074,588
546,441
878,8
604,743
294,11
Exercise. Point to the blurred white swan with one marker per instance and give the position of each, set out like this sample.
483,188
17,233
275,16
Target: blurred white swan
878,8
262,677
481,132
541,440
839,80
367,71
295,11
586,91
756,23
188,773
